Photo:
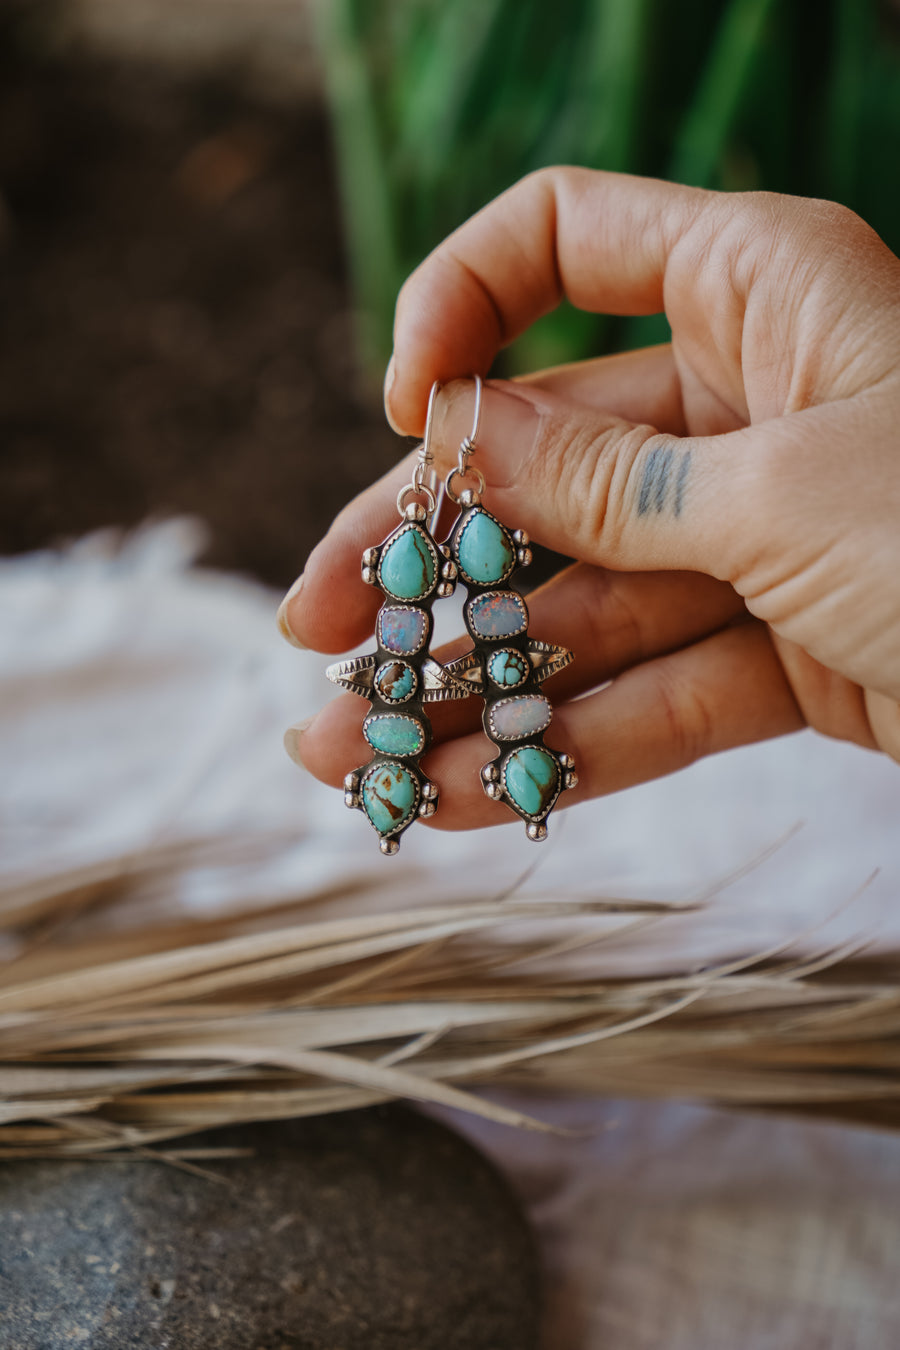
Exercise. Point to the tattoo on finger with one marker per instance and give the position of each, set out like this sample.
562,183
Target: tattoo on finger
663,481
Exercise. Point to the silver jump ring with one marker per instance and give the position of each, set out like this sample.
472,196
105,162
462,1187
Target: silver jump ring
461,473
476,419
416,490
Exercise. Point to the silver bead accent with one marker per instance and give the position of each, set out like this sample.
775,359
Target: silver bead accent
430,791
567,761
521,538
525,557
370,557
536,831
427,809
368,576
389,847
446,588
449,571
571,780
415,511
490,773
493,790
351,799
469,497
351,782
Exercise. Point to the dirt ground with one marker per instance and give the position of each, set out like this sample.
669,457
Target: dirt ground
176,329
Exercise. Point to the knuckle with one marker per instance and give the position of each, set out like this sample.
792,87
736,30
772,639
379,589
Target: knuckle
685,719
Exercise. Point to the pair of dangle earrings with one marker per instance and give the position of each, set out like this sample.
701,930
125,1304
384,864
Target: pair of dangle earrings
505,666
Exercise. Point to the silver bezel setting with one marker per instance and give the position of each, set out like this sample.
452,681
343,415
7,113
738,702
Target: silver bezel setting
414,809
401,609
391,717
398,534
386,698
509,651
493,595
542,814
532,731
495,581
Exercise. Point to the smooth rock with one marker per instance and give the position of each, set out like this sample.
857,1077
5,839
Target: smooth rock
390,795
531,777
508,668
498,614
408,567
374,1230
394,735
512,718
395,681
402,630
484,550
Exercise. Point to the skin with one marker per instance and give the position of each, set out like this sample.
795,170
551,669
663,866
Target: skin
733,499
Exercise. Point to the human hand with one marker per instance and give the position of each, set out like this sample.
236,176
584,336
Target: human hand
733,499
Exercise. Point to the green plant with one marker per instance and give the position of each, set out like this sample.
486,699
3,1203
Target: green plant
438,106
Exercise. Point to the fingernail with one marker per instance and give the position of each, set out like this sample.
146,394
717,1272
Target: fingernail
284,627
292,740
390,379
507,435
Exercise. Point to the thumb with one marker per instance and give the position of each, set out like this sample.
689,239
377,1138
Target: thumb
606,491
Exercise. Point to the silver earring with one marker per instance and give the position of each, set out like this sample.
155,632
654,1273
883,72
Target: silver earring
505,666
401,677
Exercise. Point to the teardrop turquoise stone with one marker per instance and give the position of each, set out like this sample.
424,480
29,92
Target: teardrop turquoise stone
484,550
389,796
395,735
531,776
408,567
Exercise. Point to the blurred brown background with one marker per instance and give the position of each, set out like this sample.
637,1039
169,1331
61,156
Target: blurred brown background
176,323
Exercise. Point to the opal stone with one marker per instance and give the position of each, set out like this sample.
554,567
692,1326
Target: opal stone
513,718
507,668
498,614
402,630
389,796
484,550
408,567
395,681
395,735
531,776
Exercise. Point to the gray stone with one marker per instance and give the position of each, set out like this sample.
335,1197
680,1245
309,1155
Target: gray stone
376,1230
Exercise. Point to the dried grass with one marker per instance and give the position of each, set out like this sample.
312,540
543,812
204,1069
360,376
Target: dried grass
121,1030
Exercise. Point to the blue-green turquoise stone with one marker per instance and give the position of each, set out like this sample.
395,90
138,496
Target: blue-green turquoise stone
389,796
408,567
531,776
395,735
498,614
395,681
484,549
507,668
402,630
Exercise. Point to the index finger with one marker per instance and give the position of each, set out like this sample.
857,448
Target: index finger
600,239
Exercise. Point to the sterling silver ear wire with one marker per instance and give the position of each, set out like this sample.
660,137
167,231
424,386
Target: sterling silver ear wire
506,667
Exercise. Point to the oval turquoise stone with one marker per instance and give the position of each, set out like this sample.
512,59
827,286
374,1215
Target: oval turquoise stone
395,735
389,796
531,776
402,630
395,681
499,614
408,567
507,668
484,550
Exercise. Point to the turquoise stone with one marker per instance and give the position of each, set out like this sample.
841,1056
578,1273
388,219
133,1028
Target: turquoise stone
531,776
402,630
499,614
389,796
395,681
507,668
408,567
484,550
514,718
395,735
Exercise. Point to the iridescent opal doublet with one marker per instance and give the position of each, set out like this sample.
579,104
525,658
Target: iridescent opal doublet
526,774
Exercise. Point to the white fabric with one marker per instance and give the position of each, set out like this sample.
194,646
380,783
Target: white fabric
143,701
